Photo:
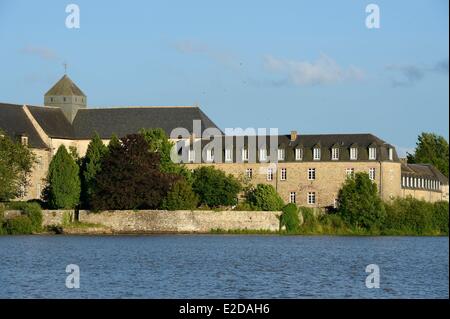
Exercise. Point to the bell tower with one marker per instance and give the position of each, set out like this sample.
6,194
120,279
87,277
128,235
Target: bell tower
66,95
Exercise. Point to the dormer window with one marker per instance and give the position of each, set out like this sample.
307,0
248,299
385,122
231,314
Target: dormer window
353,153
191,156
316,153
298,154
228,155
391,154
372,153
335,153
245,154
64,98
262,154
209,155
281,154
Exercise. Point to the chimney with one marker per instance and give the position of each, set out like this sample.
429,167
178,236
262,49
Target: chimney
293,136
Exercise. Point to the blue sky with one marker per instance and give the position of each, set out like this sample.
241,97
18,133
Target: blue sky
310,66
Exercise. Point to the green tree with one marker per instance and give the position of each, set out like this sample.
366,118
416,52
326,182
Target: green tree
130,177
181,196
214,187
264,197
16,163
431,149
90,167
359,202
63,181
289,218
159,143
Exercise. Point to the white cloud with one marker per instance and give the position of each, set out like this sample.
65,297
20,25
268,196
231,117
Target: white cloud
322,71
405,75
42,52
219,56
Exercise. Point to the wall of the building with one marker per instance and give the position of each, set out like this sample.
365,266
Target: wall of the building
329,178
422,194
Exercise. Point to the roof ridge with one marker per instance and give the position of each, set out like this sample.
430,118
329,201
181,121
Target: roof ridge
139,107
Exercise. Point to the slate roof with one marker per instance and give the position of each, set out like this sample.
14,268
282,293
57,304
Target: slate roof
65,87
307,142
52,121
127,120
424,170
14,122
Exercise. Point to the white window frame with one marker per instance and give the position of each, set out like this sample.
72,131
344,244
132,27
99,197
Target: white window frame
316,153
350,172
372,153
372,173
245,154
283,175
249,173
353,153
191,155
262,154
293,198
210,155
228,155
269,174
299,154
391,154
335,154
281,154
312,198
311,174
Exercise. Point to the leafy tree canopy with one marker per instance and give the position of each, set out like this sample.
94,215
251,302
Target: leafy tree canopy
16,163
63,181
359,202
431,149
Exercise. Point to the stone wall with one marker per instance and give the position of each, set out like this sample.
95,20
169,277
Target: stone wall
129,221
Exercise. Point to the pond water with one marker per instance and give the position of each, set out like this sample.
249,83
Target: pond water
223,266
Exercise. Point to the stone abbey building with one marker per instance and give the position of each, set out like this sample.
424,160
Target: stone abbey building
307,170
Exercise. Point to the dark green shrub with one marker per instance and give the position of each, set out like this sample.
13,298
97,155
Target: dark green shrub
2,212
214,188
359,203
30,210
63,181
409,216
289,218
440,217
264,197
181,196
20,225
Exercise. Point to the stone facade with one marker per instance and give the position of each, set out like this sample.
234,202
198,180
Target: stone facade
329,178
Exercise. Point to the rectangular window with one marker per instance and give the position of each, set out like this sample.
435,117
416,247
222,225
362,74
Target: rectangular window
228,155
335,154
298,154
372,153
353,153
24,140
316,154
270,174
350,172
262,155
311,198
191,155
391,154
372,173
311,174
292,198
281,154
403,181
245,154
249,173
209,155
283,176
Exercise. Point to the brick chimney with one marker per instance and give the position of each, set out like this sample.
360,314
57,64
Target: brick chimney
293,136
